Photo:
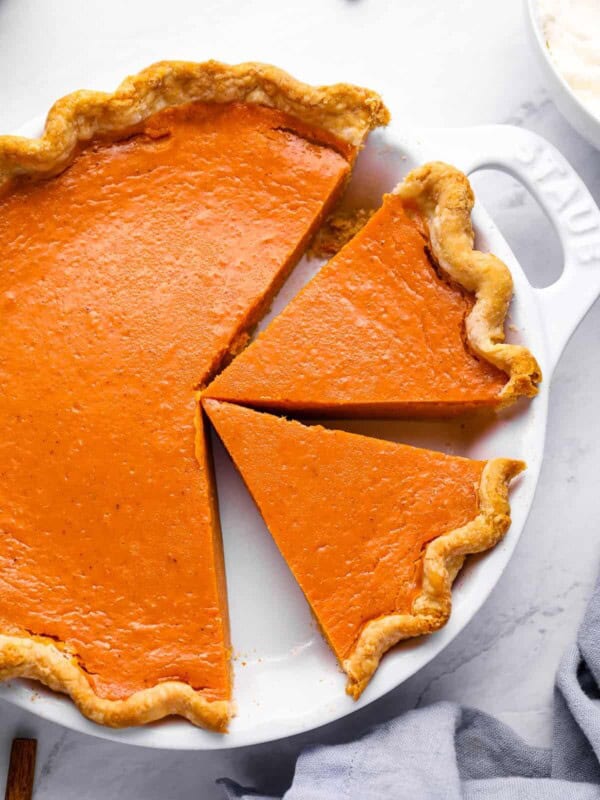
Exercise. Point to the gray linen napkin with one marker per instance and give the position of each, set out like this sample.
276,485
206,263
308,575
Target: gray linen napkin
448,752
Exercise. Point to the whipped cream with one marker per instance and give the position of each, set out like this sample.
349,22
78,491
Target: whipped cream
572,32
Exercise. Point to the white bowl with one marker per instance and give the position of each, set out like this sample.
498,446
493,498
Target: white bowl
565,98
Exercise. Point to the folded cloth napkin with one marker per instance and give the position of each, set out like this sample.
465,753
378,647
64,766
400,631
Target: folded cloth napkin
448,752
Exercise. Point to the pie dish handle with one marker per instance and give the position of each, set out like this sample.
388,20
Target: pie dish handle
563,196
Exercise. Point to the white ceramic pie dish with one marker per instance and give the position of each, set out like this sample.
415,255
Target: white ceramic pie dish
565,98
286,679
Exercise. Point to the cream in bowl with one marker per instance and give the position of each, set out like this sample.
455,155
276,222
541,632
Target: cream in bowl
566,35
572,32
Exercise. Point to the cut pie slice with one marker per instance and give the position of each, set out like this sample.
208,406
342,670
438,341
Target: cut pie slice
406,320
374,532
142,236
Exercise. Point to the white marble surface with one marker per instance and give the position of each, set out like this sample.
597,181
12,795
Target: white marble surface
459,63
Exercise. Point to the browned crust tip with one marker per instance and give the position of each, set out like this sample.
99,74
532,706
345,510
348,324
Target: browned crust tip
443,198
443,559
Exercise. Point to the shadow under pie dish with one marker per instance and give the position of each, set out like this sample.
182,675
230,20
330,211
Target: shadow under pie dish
142,238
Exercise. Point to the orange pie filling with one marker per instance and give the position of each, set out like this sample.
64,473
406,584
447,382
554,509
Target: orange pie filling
126,281
379,331
351,515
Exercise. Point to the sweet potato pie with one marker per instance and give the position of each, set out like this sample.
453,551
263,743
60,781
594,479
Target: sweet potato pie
143,236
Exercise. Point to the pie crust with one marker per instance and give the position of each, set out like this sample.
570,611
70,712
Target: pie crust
45,662
443,199
443,560
348,112
345,111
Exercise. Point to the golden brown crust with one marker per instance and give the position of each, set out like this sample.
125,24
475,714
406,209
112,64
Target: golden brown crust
348,112
44,661
442,197
443,559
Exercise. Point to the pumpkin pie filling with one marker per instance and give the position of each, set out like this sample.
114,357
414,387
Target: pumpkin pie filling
358,517
126,281
381,330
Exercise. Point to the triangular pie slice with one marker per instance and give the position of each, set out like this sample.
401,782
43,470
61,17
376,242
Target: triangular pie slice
142,236
373,531
406,320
